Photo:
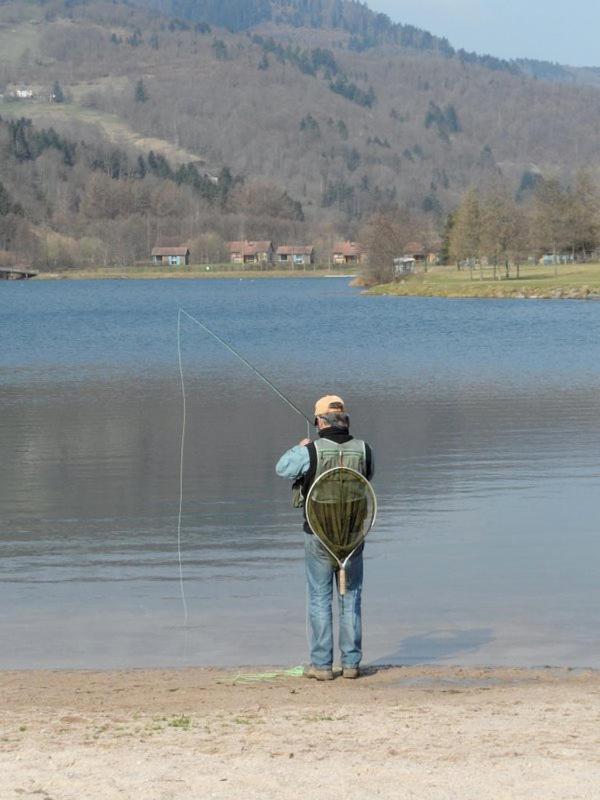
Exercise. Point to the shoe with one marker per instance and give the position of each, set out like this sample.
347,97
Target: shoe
350,672
318,674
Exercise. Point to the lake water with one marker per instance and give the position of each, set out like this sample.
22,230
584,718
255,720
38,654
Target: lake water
484,417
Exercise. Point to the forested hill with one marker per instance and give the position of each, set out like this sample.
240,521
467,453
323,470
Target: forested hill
299,128
366,28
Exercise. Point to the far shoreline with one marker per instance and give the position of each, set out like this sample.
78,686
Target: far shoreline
534,282
194,273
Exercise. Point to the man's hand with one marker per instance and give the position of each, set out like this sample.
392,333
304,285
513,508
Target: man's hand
304,442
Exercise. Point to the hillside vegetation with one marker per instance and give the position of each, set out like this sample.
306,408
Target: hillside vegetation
292,121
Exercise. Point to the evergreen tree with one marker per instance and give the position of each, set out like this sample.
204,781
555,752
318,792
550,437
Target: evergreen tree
225,183
451,118
220,49
529,182
342,129
140,94
444,255
352,159
5,201
58,96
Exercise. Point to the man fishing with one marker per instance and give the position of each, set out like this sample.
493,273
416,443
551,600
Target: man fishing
304,464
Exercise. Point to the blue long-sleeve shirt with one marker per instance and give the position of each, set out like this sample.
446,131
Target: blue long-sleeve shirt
293,463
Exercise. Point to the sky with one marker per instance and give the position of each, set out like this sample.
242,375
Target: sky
549,30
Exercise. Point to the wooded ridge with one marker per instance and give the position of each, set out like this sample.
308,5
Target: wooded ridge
256,119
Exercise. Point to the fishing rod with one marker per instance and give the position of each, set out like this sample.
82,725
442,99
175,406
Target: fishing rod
250,366
262,377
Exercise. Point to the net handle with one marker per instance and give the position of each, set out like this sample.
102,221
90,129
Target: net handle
342,581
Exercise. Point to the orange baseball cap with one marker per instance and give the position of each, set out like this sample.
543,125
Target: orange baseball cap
331,402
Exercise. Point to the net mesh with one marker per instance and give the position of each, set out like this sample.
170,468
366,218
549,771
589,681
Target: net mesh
340,509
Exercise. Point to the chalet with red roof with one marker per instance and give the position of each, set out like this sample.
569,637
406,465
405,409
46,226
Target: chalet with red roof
295,255
251,252
347,253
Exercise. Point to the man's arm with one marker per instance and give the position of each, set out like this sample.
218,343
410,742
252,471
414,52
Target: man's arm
294,462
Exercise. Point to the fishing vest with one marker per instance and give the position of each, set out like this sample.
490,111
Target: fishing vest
350,454
330,454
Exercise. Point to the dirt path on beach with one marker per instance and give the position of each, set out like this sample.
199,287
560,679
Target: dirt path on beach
422,733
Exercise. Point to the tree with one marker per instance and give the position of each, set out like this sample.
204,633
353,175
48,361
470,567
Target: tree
209,248
58,96
584,203
140,94
444,256
551,219
310,127
464,237
220,49
6,205
498,221
342,129
385,238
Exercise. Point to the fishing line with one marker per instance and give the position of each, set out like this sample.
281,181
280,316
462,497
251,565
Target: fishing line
262,377
256,371
181,448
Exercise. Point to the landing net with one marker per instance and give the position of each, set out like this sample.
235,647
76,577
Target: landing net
340,509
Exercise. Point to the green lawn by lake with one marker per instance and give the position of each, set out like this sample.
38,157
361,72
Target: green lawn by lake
570,280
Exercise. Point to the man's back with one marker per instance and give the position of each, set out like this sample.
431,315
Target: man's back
308,464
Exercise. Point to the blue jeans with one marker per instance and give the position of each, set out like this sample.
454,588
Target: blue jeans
320,574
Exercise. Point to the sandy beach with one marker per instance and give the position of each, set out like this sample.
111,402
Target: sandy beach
418,732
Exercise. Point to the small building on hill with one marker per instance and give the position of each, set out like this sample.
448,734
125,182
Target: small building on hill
295,255
347,253
403,266
251,252
421,254
416,251
20,92
172,256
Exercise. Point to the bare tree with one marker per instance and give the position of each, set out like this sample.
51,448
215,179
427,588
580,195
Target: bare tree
498,218
551,219
385,237
584,202
465,234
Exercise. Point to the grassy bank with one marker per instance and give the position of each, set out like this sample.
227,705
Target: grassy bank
576,281
193,271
